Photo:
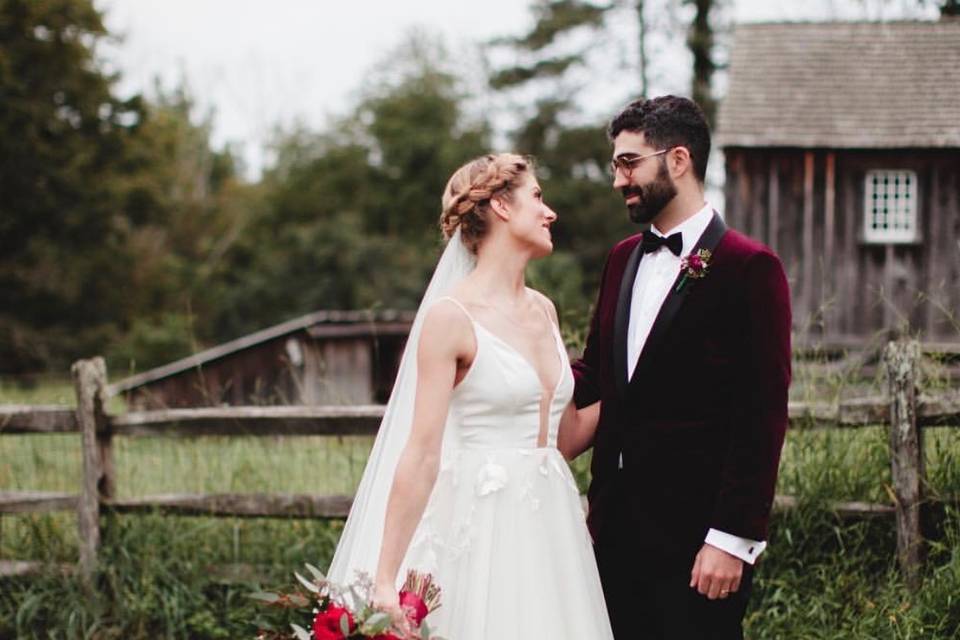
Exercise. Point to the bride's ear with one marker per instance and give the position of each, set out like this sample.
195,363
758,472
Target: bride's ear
500,208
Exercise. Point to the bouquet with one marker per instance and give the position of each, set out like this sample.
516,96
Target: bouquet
347,613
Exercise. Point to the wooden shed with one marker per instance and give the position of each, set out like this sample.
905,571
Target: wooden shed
323,358
842,147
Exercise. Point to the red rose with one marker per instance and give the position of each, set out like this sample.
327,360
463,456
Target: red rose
414,606
695,262
326,626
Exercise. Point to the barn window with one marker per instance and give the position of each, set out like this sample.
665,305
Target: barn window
890,207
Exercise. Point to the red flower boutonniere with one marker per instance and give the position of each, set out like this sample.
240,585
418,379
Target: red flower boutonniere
694,267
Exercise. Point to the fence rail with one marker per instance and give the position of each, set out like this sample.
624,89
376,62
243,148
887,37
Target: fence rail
37,501
904,411
364,419
38,419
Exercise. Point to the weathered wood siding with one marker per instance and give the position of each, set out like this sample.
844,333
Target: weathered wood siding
292,369
808,205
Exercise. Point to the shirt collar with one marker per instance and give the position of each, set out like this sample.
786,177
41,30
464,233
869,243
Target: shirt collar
691,228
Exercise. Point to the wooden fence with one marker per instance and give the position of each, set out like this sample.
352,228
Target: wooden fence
903,409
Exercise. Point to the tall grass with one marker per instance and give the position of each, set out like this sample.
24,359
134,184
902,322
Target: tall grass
210,464
156,578
37,390
828,579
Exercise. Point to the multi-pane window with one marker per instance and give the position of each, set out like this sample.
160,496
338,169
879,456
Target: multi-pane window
890,207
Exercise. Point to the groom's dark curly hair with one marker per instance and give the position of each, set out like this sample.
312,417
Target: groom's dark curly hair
668,121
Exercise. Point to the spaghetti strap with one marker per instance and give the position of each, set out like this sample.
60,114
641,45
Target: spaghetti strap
459,304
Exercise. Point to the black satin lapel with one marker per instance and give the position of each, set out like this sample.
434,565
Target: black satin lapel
709,240
622,320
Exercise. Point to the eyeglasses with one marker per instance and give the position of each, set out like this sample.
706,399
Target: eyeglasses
627,164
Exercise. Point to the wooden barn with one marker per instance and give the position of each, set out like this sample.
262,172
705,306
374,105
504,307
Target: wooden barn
323,358
842,147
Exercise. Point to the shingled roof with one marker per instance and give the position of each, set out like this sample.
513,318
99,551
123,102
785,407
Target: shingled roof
843,85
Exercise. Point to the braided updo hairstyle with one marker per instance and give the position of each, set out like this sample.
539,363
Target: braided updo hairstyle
466,198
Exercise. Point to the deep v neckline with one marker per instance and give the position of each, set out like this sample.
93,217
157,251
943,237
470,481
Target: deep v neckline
543,388
547,396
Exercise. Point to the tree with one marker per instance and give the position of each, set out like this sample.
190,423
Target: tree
542,59
115,213
948,8
552,20
186,207
61,236
419,133
349,216
700,40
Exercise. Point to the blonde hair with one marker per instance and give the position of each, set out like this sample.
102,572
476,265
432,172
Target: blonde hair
466,198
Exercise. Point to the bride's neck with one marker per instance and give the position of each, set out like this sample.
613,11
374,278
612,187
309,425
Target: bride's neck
500,273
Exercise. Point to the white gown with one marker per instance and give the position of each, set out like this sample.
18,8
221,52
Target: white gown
504,532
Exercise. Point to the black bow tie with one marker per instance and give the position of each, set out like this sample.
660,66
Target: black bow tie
651,242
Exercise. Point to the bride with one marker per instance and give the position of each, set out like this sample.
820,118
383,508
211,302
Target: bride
466,479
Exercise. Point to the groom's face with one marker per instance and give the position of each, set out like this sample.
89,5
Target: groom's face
642,176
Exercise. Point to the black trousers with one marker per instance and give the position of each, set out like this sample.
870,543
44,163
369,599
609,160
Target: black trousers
658,604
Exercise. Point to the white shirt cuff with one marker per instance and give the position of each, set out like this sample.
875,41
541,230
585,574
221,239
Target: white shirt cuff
744,548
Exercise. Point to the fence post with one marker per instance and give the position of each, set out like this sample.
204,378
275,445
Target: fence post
108,478
90,382
906,455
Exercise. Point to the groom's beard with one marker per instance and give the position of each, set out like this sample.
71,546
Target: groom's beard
652,199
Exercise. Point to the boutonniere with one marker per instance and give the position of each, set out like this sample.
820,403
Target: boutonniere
694,267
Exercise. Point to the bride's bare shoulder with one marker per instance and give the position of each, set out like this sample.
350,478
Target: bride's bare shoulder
447,324
446,311
546,302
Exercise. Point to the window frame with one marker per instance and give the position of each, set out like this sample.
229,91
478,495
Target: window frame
874,235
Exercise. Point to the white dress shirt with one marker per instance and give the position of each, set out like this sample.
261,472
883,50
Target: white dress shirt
655,275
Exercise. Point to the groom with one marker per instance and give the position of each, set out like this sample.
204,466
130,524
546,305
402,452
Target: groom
689,352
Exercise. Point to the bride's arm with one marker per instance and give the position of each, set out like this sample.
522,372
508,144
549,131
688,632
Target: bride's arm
445,337
577,428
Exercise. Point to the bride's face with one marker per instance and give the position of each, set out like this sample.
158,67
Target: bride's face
530,217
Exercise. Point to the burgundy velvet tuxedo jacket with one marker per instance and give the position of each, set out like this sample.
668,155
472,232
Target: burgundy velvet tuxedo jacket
701,422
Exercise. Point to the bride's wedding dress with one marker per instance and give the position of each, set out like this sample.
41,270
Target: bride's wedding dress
504,531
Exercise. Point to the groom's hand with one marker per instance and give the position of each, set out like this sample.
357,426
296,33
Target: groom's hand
716,573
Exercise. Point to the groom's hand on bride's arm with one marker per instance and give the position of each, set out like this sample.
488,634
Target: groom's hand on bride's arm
577,429
716,573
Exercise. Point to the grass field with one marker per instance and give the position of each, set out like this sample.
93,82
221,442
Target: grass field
823,578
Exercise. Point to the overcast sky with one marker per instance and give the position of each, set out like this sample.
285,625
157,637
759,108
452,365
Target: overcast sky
261,63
